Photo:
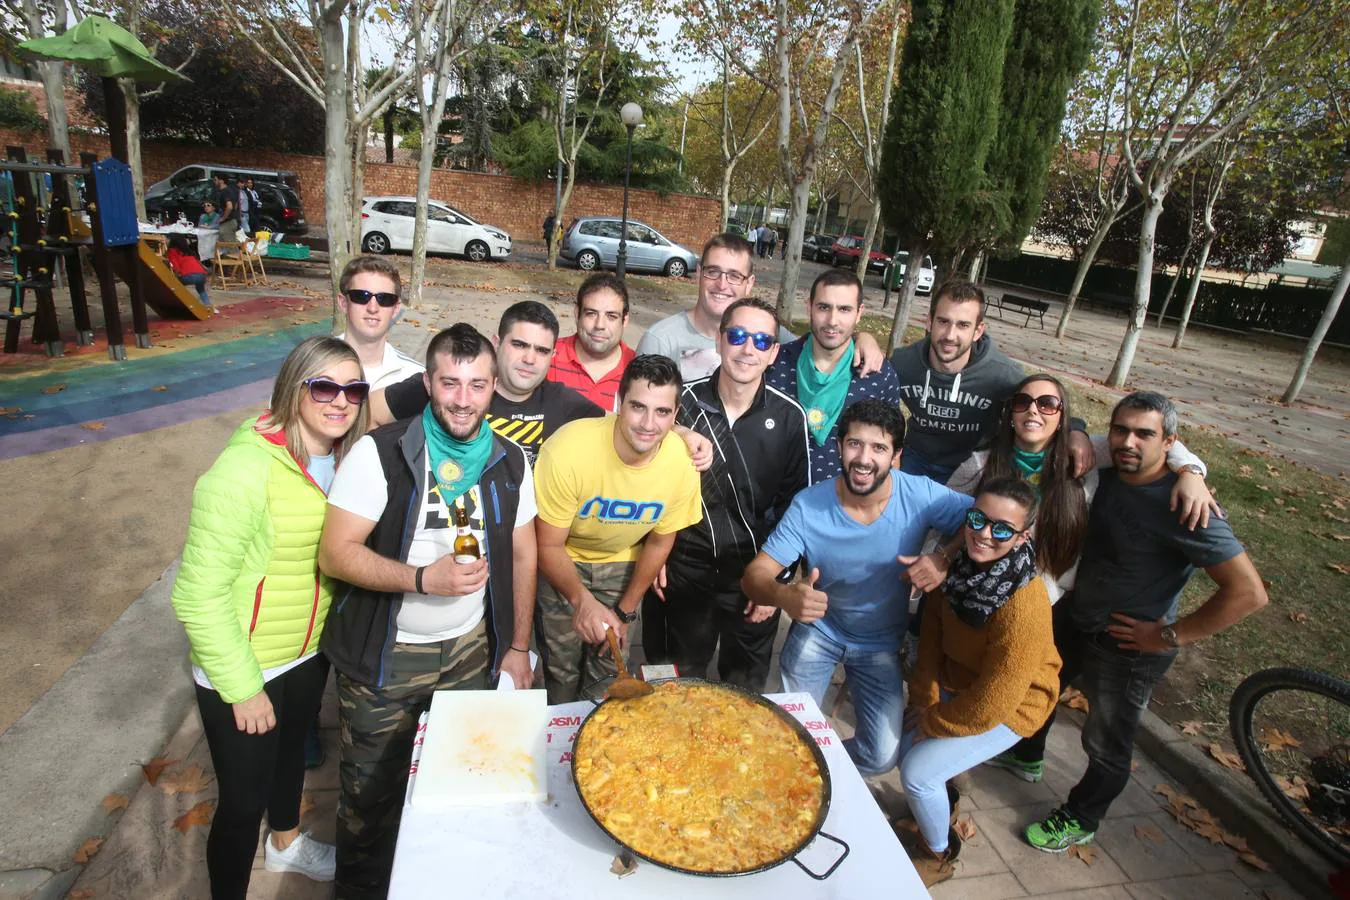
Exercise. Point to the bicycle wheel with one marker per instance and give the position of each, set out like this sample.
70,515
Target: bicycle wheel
1292,729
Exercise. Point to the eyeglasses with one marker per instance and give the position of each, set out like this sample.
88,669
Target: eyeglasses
362,298
736,335
998,529
712,273
325,390
1046,404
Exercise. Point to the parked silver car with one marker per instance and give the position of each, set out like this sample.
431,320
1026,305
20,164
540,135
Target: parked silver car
592,243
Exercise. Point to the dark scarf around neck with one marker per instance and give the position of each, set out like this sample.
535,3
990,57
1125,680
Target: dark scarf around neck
976,594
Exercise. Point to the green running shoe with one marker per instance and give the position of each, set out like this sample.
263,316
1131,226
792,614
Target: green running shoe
1027,771
1057,833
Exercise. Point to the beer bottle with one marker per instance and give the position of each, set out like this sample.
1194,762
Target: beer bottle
466,545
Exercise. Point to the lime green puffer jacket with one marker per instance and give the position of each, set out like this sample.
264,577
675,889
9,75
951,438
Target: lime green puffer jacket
249,592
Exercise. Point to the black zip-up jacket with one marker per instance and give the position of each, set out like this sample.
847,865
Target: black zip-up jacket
759,464
362,624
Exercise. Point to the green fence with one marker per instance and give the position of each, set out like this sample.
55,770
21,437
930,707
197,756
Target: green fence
1282,308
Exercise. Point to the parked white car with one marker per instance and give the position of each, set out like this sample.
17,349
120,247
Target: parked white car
387,224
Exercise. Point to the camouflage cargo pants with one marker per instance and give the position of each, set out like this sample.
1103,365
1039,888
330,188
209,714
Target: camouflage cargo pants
377,726
572,668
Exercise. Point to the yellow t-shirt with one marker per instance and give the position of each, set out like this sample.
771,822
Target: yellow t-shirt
608,507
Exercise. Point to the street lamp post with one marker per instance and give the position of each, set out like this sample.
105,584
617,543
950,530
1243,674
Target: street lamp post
631,114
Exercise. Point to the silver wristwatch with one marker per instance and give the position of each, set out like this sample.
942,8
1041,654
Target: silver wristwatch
1169,634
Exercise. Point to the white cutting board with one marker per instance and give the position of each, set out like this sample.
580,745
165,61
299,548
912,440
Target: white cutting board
483,748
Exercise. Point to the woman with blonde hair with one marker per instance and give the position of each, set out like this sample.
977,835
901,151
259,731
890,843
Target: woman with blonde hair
253,603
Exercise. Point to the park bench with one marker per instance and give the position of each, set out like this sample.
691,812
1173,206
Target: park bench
1021,305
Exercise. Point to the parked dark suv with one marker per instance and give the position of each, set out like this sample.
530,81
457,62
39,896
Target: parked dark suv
818,247
279,208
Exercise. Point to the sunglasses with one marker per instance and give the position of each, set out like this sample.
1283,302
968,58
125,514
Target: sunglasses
736,335
362,298
325,390
998,529
1047,404
712,273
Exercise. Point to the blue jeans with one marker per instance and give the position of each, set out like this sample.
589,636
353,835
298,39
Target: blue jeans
914,463
925,768
198,281
874,682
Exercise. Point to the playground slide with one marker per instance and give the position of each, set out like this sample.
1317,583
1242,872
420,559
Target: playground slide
164,293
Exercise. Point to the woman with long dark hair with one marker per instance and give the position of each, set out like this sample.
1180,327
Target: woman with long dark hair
253,603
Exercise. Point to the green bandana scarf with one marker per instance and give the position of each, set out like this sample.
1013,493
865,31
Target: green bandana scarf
823,395
1028,466
456,465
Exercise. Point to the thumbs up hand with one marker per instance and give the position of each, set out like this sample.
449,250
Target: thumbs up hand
924,572
804,603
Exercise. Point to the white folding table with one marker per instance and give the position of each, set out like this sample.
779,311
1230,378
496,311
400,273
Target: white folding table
554,850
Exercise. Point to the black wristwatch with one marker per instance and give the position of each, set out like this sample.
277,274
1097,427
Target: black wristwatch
627,618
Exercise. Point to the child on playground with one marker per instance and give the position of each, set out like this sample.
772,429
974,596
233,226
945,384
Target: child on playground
187,266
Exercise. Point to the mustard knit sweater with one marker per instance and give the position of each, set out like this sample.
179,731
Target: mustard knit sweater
1006,673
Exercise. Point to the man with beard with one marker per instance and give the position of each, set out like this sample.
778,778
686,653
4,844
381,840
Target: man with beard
410,617
612,494
593,360
817,370
852,606
525,407
759,463
1119,629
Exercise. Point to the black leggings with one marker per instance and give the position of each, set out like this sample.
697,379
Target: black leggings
257,773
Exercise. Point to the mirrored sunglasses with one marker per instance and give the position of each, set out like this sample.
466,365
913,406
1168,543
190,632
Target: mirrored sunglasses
362,298
325,390
998,529
1046,404
736,335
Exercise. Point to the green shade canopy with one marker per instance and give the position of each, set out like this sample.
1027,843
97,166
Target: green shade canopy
104,48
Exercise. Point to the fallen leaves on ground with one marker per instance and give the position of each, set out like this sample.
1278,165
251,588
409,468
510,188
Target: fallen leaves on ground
1337,567
1244,471
87,850
93,426
1339,537
160,388
1254,861
53,389
1074,699
1273,739
1176,798
1298,617
966,828
1191,727
1148,833
1227,758
1296,790
198,815
80,894
10,410
1086,852
113,802
191,780
155,767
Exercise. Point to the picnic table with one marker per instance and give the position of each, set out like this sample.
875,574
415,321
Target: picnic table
205,238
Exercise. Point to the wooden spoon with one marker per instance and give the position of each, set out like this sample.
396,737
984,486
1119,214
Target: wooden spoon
625,686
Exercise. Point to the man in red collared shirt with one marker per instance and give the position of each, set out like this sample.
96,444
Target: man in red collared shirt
592,361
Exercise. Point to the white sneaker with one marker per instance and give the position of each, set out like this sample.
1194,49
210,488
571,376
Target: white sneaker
305,855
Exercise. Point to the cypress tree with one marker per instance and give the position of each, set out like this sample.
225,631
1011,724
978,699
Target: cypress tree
944,116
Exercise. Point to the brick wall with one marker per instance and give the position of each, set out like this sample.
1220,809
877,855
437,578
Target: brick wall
516,204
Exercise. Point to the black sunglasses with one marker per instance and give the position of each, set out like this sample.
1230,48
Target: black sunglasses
736,335
362,298
998,529
1047,404
325,390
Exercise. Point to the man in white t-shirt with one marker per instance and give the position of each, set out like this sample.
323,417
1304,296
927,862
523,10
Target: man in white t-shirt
368,295
411,614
